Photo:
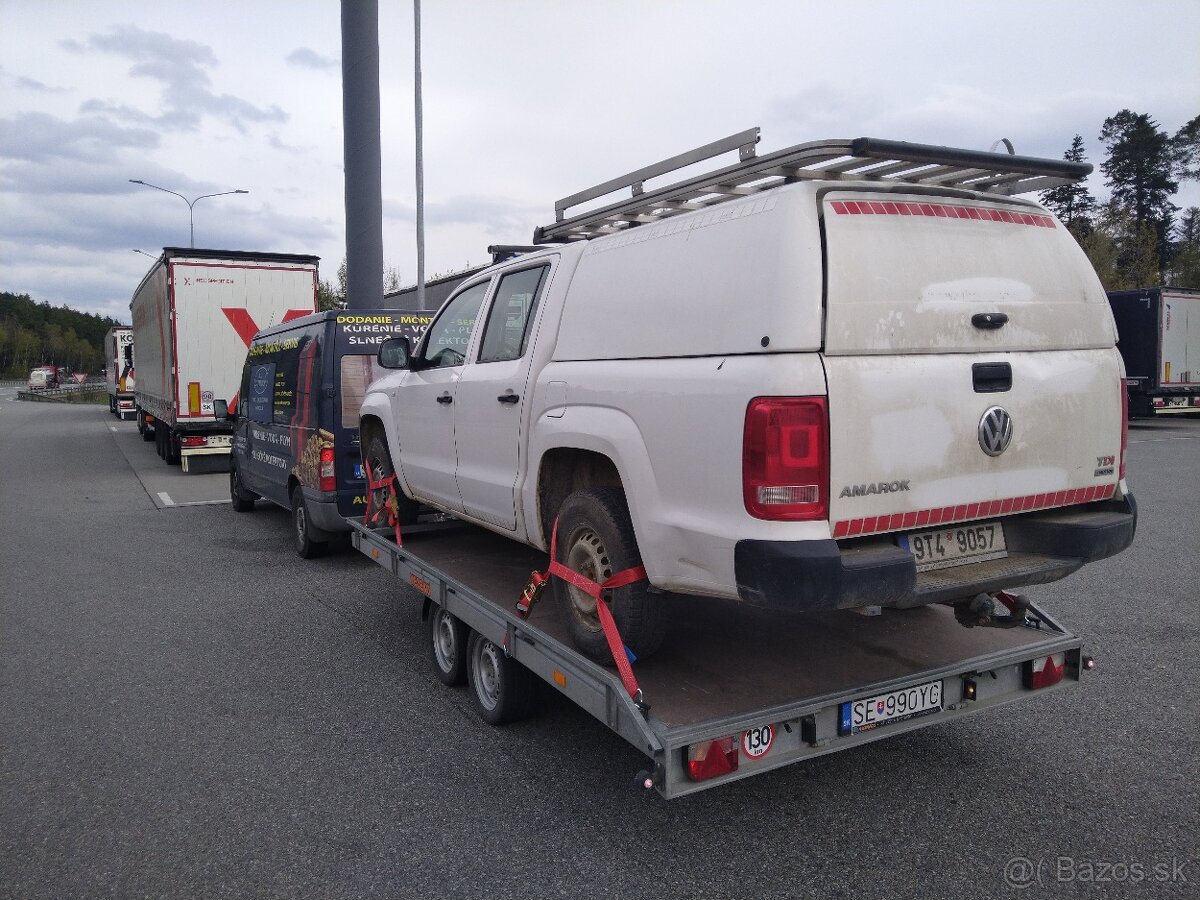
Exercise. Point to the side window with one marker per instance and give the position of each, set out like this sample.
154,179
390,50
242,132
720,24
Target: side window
262,385
297,380
507,329
446,342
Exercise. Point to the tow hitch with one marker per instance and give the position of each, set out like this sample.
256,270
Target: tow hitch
980,611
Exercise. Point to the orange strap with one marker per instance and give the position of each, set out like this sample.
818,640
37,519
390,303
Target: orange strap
390,505
620,653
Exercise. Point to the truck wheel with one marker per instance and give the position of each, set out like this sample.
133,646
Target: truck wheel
171,445
303,531
159,443
146,430
448,638
503,689
595,539
242,499
378,462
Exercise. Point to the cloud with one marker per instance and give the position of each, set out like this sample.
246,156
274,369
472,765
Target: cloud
491,212
43,139
181,68
304,58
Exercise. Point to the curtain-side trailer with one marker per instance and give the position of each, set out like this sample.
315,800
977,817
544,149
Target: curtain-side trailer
1158,334
194,315
119,371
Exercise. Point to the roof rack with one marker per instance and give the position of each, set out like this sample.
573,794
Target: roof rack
858,159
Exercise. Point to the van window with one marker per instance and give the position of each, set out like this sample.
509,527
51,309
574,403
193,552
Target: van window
262,383
446,343
356,373
505,334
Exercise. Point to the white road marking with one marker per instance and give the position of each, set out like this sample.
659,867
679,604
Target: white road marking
165,498
112,427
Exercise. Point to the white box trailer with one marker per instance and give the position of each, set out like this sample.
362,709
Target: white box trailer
1159,339
194,315
119,371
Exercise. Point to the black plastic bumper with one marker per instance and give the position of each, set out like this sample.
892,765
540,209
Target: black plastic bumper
806,576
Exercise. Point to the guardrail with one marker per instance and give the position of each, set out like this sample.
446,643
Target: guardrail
70,393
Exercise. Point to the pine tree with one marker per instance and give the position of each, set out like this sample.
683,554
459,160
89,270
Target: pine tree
1073,203
1185,255
1186,145
1141,159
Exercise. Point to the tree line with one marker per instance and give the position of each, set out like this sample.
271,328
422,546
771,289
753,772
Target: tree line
37,334
1134,239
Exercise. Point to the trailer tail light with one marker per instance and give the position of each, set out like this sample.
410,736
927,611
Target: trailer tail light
1124,425
785,458
708,759
1045,672
193,441
328,483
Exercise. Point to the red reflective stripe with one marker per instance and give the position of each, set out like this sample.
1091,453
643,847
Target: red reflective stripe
940,211
947,514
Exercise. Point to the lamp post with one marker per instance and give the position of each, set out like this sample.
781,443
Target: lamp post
190,203
144,253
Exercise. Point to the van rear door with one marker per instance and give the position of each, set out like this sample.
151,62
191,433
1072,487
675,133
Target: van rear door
970,361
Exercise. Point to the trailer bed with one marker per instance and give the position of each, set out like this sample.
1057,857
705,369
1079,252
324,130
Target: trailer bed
726,668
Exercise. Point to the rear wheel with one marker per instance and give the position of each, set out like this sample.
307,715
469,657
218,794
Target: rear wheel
595,538
502,688
146,430
242,499
448,639
306,538
378,462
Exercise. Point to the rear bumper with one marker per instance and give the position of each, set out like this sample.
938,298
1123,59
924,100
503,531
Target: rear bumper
806,576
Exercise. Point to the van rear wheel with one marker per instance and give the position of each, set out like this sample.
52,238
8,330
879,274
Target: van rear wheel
595,538
304,533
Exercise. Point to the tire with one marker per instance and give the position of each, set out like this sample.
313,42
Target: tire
159,443
304,534
146,430
595,539
171,444
502,688
242,499
448,639
378,462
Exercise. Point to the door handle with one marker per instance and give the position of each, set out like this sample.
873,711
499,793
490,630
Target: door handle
445,398
509,398
989,321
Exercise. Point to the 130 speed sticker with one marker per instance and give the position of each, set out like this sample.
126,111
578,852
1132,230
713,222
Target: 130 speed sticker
756,743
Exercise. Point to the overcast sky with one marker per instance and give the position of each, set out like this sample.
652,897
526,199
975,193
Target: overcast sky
525,102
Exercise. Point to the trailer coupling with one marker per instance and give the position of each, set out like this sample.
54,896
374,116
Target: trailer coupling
980,611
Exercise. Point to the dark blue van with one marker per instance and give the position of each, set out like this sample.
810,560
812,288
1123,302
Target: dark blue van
295,417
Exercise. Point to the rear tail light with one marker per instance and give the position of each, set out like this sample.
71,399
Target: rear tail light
1046,671
785,458
326,473
708,759
1124,424
193,441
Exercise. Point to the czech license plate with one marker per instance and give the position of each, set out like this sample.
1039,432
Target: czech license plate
219,440
941,548
894,706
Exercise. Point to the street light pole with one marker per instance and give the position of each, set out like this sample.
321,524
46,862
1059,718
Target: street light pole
190,203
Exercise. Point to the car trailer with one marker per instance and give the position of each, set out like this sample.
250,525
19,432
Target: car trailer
735,690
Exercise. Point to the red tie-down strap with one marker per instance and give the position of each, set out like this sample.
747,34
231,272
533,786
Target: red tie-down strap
391,505
612,635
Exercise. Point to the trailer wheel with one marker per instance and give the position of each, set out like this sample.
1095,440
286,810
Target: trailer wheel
173,449
378,462
595,539
146,430
242,499
303,531
503,689
448,639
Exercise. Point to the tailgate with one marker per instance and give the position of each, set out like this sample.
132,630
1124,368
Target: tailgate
907,436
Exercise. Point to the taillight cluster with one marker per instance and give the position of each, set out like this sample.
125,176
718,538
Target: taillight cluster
328,482
1046,671
785,458
708,759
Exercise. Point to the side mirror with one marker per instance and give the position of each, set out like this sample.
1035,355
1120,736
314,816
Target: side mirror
394,353
221,410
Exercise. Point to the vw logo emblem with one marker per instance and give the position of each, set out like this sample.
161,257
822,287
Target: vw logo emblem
995,431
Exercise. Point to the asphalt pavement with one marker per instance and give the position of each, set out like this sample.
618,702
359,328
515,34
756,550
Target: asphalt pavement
189,710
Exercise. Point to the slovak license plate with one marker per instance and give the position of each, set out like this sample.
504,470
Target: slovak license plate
894,706
957,545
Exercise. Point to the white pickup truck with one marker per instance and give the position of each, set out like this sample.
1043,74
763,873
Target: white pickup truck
845,374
